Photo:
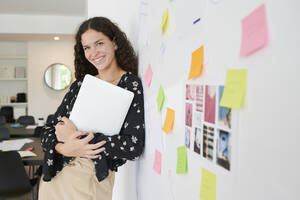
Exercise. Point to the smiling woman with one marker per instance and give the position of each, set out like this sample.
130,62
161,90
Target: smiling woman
57,76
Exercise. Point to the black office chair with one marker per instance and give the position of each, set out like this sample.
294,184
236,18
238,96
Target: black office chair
26,120
4,133
14,181
2,120
49,118
8,112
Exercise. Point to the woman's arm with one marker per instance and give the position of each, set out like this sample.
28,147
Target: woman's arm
129,144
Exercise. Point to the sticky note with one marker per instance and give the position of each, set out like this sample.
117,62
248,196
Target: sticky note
157,162
148,76
235,88
165,21
255,34
160,98
197,63
208,185
169,121
181,160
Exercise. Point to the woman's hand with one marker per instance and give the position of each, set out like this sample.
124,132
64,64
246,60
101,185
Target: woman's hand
75,147
64,129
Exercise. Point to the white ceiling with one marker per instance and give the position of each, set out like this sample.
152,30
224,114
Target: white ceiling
44,7
76,8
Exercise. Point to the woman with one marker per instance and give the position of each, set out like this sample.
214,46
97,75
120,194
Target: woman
80,165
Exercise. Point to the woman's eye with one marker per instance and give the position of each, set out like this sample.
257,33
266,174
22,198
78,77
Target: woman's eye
85,48
100,43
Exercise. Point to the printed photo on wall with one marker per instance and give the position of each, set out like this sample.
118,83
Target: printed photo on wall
199,98
210,104
187,137
188,114
190,92
197,141
208,142
197,121
223,149
224,114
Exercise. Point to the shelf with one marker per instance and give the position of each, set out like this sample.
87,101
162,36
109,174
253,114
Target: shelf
13,79
13,104
12,57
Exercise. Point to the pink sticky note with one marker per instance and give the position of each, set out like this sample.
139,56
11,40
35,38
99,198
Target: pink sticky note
148,76
157,162
255,34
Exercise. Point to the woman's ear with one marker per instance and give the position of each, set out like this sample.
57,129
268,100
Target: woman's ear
115,44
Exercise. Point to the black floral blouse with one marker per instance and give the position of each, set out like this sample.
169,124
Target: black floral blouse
128,145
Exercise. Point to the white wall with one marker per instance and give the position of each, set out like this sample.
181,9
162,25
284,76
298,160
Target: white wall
125,14
266,155
39,24
42,100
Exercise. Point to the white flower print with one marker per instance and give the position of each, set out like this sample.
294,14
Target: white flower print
109,139
79,83
112,144
124,143
137,127
138,111
59,118
126,124
122,148
131,148
135,84
51,151
134,139
49,162
139,92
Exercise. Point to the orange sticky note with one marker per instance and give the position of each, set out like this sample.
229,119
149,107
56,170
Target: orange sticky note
169,121
255,34
157,162
197,63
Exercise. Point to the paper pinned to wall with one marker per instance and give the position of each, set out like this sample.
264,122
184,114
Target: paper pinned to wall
196,63
182,166
148,76
169,121
160,98
165,21
208,185
255,34
235,88
157,162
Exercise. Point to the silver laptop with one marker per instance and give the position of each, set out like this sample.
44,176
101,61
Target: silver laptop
100,106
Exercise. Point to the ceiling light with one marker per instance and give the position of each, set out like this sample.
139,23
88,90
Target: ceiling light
56,38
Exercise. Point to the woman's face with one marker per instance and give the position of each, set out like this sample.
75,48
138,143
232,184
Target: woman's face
98,49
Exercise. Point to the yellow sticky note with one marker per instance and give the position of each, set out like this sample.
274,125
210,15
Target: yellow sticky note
208,185
165,21
235,88
197,63
160,98
169,121
181,160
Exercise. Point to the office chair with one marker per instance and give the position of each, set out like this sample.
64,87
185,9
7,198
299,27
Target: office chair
26,120
8,112
14,181
2,120
4,133
49,118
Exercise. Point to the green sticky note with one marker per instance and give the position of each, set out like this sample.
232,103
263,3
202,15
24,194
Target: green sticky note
181,160
235,88
160,98
165,21
208,185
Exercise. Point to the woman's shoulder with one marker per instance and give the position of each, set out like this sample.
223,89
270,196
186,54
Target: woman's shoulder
129,77
131,82
75,85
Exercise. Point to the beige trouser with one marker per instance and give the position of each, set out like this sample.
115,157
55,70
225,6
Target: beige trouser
77,180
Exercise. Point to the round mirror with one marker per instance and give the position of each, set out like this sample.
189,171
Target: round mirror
58,76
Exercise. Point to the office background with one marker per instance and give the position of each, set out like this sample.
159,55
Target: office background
265,157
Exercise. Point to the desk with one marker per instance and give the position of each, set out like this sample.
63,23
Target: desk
37,149
19,132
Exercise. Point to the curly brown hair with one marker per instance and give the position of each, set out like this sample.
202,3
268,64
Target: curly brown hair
125,54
